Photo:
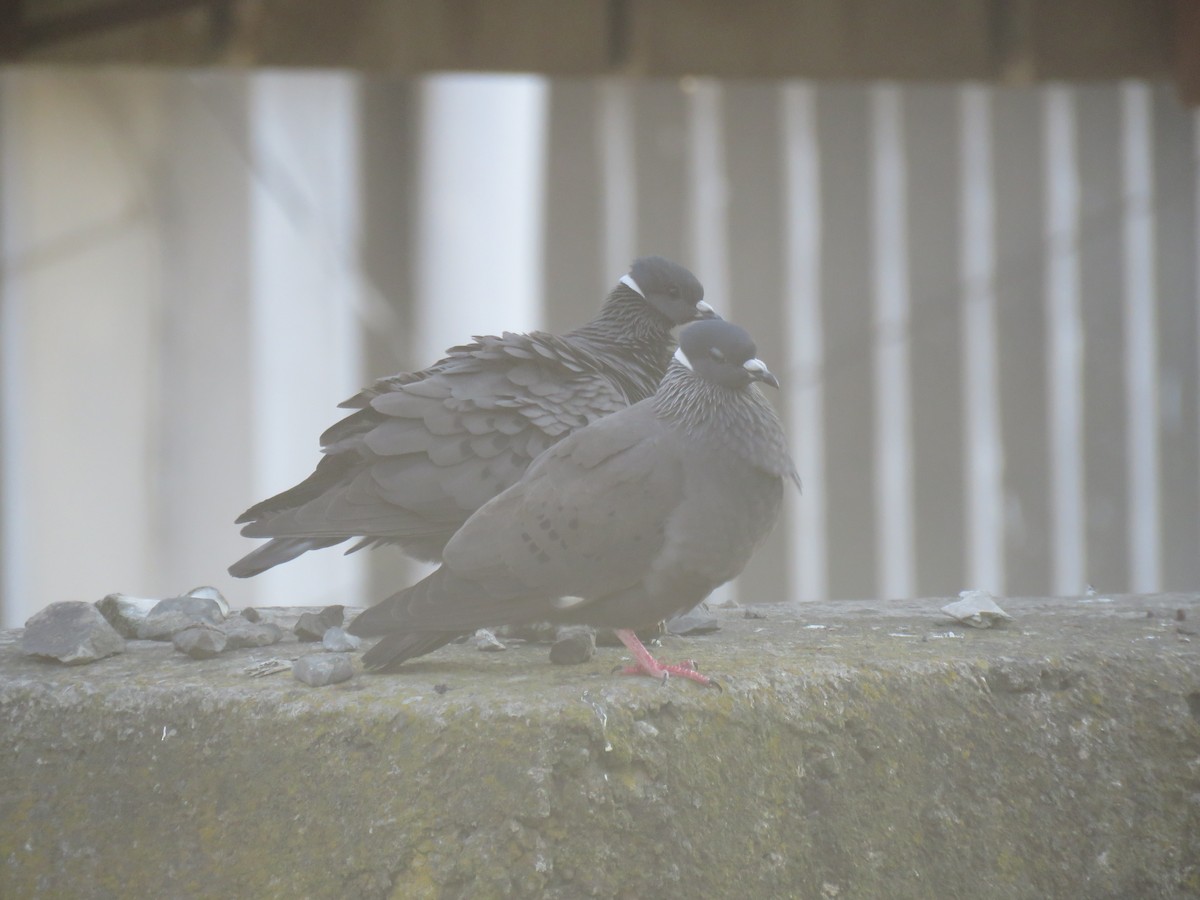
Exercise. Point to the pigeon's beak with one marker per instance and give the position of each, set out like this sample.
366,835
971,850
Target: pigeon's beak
759,372
704,311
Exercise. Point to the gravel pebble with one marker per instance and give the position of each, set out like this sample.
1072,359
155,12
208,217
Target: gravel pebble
124,612
173,615
311,627
201,641
488,642
320,669
574,646
247,633
338,641
73,631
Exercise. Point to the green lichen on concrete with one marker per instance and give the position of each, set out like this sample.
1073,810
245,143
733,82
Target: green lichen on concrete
874,757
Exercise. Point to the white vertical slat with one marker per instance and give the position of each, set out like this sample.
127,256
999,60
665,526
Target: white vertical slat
619,174
205,181
15,557
981,392
1141,336
1196,237
708,183
890,296
479,225
303,214
481,171
1064,339
805,392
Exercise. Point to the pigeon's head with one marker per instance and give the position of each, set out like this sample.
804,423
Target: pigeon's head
723,353
669,288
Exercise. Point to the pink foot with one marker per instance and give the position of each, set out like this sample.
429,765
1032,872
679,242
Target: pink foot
645,664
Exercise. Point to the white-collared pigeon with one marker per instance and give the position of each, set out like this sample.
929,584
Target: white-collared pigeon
426,449
628,521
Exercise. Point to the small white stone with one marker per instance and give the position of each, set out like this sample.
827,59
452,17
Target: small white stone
977,609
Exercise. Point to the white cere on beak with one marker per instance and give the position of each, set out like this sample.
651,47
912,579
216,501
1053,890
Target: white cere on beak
628,281
705,308
759,372
682,358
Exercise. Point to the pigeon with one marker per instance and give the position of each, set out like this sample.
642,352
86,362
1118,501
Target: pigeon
424,450
628,521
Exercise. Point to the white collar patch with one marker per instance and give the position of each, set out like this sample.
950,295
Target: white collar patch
628,281
682,357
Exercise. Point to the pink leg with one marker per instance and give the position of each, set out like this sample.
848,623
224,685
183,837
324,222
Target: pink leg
645,664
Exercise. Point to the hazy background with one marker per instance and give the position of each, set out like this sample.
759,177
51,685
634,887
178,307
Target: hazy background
982,304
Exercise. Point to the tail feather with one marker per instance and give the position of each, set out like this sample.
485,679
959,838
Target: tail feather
276,551
433,612
400,611
397,647
403,622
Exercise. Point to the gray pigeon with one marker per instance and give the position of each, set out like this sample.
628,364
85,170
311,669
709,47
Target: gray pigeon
426,449
628,521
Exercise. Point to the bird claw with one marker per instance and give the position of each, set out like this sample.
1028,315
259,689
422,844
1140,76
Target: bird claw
664,673
645,664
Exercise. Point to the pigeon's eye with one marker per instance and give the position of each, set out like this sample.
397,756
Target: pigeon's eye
717,354
673,290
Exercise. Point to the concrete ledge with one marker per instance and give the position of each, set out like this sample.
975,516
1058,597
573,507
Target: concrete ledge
1059,756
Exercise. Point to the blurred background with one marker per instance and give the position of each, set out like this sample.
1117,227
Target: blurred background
964,235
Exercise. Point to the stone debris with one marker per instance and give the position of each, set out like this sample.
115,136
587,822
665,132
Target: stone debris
173,615
336,640
575,645
201,641
311,627
697,621
250,614
243,632
320,669
207,592
488,642
977,609
124,612
267,667
73,632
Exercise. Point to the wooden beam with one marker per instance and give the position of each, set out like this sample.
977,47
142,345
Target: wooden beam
1186,50
1004,41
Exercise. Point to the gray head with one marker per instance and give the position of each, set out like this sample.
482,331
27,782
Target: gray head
722,353
668,288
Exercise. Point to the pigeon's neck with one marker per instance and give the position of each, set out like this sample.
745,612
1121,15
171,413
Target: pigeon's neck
738,421
632,339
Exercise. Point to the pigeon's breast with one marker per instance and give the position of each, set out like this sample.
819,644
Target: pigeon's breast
725,515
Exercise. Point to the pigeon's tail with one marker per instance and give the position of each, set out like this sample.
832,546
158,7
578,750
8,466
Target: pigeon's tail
409,621
396,648
276,551
402,611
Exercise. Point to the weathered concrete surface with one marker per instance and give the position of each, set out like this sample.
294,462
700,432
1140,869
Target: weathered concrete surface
1056,757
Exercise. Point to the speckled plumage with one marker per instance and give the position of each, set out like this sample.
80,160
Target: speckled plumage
424,450
636,517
